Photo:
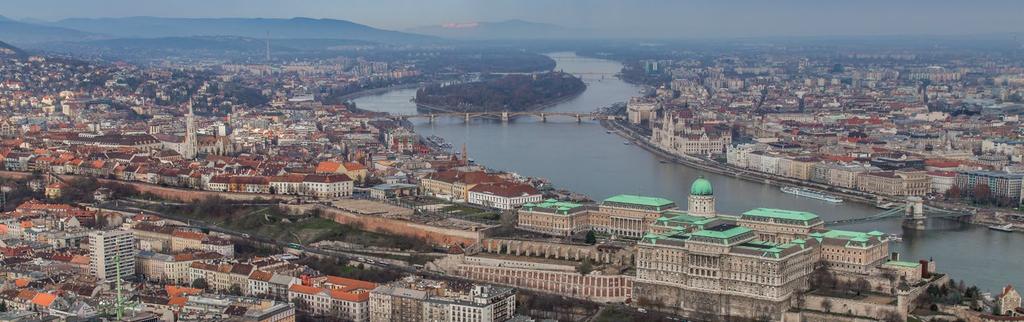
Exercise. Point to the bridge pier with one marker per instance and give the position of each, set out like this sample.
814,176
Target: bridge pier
432,118
543,118
579,118
504,117
915,218
467,117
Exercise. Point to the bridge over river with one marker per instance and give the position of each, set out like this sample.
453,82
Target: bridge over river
505,116
914,213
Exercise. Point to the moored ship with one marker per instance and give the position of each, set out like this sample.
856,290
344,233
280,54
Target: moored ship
813,194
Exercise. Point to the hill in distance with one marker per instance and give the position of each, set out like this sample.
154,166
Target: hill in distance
17,32
9,50
508,29
258,28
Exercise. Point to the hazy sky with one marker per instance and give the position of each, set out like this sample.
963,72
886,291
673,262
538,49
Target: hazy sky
661,18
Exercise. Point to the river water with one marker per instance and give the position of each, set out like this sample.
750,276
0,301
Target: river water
582,157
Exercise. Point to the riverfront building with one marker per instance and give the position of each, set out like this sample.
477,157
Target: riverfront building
1002,185
679,132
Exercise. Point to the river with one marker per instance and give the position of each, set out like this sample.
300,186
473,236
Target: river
582,157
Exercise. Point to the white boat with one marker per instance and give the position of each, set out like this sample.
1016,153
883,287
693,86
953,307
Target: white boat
626,142
1006,227
885,205
895,238
813,194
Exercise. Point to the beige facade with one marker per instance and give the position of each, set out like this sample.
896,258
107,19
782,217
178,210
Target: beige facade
895,183
724,261
622,215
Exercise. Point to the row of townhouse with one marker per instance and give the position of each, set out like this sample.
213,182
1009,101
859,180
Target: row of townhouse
146,169
863,177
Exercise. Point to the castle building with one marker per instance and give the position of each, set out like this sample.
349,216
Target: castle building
702,265
627,216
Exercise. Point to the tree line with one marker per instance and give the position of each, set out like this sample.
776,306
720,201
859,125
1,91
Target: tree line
506,93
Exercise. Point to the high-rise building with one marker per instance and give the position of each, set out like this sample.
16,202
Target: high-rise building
109,249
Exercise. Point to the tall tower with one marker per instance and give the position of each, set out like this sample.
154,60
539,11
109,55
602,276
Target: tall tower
465,154
268,47
189,148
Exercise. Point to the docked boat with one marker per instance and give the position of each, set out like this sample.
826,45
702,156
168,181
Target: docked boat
895,238
1006,227
885,205
626,142
813,194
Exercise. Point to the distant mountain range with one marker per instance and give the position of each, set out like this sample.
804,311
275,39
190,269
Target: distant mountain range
259,28
17,32
222,43
508,29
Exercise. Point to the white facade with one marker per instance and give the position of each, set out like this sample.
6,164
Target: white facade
501,202
107,249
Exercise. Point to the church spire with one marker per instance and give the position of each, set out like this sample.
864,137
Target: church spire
465,154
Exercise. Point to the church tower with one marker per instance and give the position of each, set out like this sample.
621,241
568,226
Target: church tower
701,201
189,148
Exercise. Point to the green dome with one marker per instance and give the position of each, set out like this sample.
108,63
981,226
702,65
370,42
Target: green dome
701,187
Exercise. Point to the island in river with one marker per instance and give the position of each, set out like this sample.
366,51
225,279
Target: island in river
513,93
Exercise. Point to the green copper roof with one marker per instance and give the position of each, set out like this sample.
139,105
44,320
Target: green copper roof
640,200
845,234
701,187
559,206
781,214
903,264
725,234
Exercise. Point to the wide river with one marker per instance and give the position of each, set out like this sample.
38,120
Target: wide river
585,159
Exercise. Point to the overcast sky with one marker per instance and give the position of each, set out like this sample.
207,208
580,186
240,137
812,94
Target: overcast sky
660,18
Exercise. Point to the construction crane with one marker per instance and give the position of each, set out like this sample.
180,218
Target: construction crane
120,304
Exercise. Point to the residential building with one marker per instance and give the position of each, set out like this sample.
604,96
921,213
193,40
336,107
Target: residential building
111,254
415,300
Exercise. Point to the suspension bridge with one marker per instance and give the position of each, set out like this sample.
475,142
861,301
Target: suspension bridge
914,213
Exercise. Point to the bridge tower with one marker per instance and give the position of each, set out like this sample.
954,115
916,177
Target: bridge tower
915,218
504,117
